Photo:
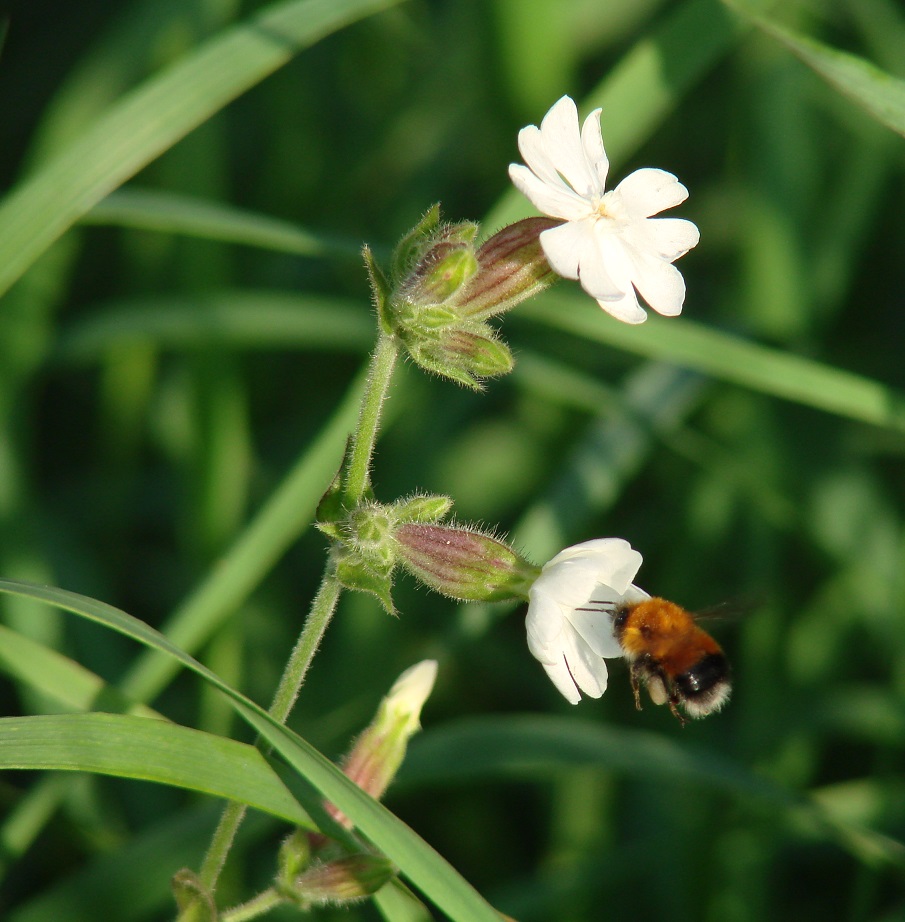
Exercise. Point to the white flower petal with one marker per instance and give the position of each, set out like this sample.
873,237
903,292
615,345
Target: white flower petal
596,628
534,152
564,148
671,237
594,546
563,245
588,670
554,199
592,142
627,309
633,595
569,585
545,624
660,284
648,192
604,271
615,562
561,677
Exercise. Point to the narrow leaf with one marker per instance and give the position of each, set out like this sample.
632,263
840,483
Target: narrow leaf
150,750
427,870
150,119
169,212
52,674
543,747
728,357
873,89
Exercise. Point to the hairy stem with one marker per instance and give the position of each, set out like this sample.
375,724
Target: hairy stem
356,482
358,468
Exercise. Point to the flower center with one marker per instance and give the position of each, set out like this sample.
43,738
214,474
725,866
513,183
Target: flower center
608,208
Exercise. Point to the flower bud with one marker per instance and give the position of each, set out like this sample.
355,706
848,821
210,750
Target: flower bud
294,856
343,880
463,355
464,563
442,271
378,752
511,268
411,246
422,507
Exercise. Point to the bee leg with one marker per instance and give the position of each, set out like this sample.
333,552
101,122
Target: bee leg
673,701
636,687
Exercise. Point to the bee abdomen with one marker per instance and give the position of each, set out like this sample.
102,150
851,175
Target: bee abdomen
705,686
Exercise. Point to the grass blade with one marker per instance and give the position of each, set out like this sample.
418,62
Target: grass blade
416,859
730,358
149,750
152,118
874,90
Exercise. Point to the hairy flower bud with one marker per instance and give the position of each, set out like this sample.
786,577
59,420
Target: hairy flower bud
341,881
463,355
511,267
442,289
464,563
377,754
442,271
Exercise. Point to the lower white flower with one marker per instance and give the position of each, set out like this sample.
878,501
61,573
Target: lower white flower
609,241
569,622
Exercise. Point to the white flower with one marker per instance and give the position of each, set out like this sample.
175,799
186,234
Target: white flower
570,627
609,241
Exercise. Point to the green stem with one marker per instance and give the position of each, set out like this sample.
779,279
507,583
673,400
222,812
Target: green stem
358,467
293,678
265,901
319,616
357,478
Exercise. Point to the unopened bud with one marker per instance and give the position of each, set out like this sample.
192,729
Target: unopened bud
464,563
426,507
463,355
412,244
443,270
343,880
378,752
511,268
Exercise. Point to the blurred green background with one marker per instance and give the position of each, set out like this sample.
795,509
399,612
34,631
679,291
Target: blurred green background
172,358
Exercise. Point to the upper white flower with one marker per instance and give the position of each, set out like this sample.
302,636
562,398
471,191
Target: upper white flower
609,242
570,625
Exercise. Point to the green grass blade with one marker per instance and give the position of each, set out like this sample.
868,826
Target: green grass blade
171,213
416,859
279,522
155,116
542,747
236,318
873,89
729,358
396,904
148,750
59,678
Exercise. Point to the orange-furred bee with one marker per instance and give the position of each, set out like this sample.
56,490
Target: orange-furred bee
677,661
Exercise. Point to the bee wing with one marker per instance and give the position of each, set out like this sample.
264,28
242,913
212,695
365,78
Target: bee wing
721,611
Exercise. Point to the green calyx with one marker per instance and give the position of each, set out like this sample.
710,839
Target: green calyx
364,546
442,288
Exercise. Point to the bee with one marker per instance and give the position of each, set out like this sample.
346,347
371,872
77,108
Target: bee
678,662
